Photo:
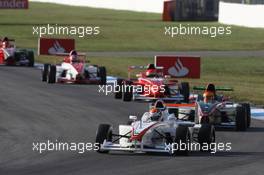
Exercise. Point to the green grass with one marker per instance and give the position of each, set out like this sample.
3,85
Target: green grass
120,30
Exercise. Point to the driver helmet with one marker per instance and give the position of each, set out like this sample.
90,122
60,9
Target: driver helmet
151,72
153,110
5,42
74,56
208,96
154,114
160,105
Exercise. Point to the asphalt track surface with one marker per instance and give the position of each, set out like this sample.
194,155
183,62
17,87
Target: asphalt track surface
218,54
33,111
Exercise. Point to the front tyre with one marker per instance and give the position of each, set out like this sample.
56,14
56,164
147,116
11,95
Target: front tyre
241,118
52,74
184,90
182,140
118,89
104,132
206,137
45,72
102,74
128,93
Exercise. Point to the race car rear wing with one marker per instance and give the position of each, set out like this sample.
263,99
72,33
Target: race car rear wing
202,88
67,54
173,108
142,67
80,55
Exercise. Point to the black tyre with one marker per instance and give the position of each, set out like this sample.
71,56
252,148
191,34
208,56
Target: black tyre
118,89
206,136
182,140
31,58
102,74
45,72
241,118
129,122
167,91
248,112
52,74
184,89
192,116
128,93
104,132
18,55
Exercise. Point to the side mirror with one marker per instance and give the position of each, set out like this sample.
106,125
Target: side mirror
132,117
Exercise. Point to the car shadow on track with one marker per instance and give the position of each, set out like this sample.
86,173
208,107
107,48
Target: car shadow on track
237,154
256,129
193,154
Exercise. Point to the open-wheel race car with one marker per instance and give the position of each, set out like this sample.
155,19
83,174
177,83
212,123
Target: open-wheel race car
151,85
217,110
157,131
74,70
11,56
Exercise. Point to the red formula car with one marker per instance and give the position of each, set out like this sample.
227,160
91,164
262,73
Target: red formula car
11,56
151,85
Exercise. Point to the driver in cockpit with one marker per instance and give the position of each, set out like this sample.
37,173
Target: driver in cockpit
158,113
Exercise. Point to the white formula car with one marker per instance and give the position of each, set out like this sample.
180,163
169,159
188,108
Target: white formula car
78,72
162,133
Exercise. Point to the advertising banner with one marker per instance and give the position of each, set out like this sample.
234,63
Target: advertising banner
53,46
180,66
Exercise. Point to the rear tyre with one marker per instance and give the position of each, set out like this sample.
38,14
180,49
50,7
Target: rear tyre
52,74
104,132
31,58
18,55
102,74
45,72
167,91
248,112
118,89
241,118
206,136
128,93
184,89
182,139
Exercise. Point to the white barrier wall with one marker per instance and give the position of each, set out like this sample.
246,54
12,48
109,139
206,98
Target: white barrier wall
154,6
241,14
